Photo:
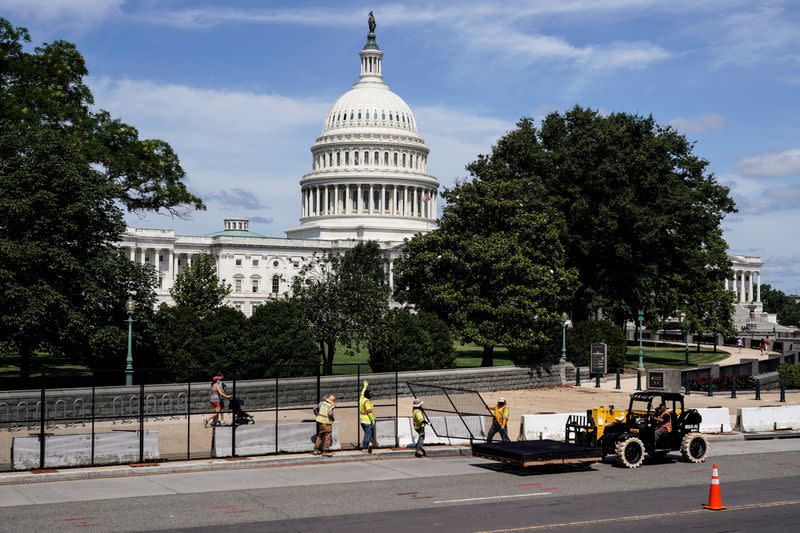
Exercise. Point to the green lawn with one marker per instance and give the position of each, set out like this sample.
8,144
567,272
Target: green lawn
468,355
672,357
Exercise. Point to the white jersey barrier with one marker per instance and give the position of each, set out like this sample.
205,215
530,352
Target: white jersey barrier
384,432
259,439
110,448
751,419
715,419
545,426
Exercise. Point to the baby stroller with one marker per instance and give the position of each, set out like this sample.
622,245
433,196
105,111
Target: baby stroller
240,417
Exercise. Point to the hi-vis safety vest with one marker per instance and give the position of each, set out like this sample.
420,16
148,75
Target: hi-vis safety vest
418,418
501,415
666,418
324,410
365,416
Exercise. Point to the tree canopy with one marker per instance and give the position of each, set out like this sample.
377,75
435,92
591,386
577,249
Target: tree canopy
494,270
342,296
199,288
776,301
65,170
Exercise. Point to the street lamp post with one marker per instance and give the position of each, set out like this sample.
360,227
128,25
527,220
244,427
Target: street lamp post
564,339
641,352
686,338
130,307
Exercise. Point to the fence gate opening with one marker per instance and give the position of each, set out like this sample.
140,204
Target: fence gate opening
459,415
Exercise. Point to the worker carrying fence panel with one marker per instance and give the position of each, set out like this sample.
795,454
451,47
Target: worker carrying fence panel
499,421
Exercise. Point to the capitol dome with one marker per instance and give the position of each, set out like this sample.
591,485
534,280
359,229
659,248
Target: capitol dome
368,176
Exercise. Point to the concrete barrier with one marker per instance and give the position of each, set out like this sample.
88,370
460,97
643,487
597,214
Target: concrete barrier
750,419
459,435
259,439
435,432
715,418
545,426
384,432
110,448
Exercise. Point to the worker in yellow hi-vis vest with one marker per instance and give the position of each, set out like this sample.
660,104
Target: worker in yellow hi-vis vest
419,422
366,417
500,421
324,412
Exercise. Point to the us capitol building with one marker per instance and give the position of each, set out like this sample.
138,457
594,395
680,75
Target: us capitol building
368,181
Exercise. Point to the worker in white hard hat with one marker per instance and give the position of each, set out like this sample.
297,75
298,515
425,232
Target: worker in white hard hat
419,421
499,421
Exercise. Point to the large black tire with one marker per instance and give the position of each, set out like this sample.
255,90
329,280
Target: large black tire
694,447
630,452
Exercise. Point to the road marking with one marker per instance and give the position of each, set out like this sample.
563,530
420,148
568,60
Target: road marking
495,497
640,517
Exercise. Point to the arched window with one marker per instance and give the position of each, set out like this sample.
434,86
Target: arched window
355,158
330,159
338,158
359,115
404,160
383,115
395,159
366,158
276,284
386,158
347,158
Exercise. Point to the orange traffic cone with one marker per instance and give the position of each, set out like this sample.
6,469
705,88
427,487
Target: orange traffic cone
714,495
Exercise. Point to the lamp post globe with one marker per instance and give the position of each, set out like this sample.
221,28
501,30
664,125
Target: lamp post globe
130,307
641,352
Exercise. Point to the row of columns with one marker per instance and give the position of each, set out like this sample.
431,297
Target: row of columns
394,200
347,158
168,264
742,285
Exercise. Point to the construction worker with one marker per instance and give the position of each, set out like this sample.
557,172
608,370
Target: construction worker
324,411
499,422
663,421
418,419
366,417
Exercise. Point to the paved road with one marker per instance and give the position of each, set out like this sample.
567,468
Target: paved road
760,481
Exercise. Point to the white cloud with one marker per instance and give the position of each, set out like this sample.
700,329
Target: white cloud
749,37
698,124
777,164
79,12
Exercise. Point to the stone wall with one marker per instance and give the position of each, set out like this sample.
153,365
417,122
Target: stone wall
20,407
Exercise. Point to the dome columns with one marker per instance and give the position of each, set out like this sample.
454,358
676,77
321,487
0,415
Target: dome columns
379,199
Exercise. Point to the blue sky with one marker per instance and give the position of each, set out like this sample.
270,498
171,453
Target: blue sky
241,89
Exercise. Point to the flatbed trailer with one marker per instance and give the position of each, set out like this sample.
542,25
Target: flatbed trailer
537,452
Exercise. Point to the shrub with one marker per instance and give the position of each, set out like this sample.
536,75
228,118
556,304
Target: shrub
282,342
583,334
700,383
412,342
789,375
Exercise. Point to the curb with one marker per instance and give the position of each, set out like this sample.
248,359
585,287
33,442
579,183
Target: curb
237,463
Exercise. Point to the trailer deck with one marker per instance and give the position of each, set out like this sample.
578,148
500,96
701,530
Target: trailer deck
537,452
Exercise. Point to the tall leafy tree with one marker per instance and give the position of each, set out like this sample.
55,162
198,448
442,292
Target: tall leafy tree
64,171
776,301
282,341
341,296
494,270
198,288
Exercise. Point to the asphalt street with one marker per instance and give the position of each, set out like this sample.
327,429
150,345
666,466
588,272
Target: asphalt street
760,482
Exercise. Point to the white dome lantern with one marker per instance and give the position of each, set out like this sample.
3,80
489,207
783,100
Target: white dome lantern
369,167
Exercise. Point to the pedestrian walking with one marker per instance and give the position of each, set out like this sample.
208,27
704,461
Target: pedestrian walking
215,398
418,419
324,412
500,415
366,417
739,344
762,347
767,344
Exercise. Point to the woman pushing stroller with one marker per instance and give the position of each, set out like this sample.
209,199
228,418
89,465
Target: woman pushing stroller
215,397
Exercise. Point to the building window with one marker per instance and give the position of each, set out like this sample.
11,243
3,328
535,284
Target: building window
275,264
296,264
366,158
355,158
377,158
255,262
237,285
160,258
255,285
395,159
347,158
386,158
238,262
276,284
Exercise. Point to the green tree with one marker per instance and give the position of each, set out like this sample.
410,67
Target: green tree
494,269
407,341
64,169
199,288
342,296
642,213
776,301
282,342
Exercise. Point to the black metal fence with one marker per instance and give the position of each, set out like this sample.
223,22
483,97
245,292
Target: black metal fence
157,419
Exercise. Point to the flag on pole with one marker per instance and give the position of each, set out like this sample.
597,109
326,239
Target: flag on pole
426,197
